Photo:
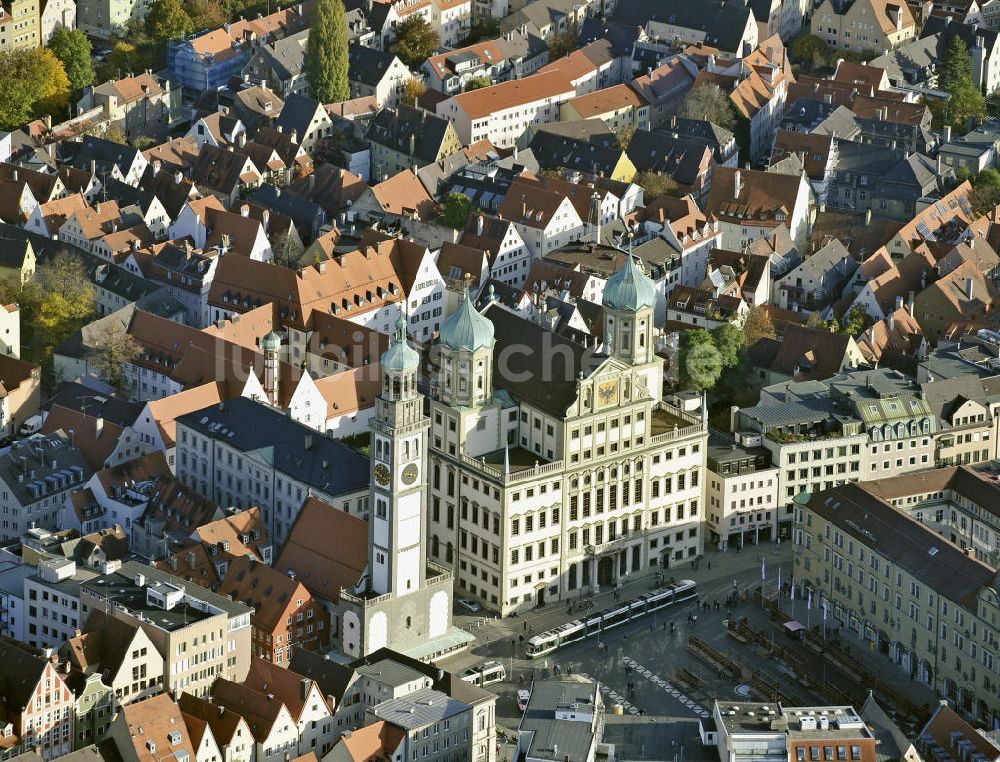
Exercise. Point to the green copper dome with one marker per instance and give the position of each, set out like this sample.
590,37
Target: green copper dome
271,342
630,289
400,356
466,328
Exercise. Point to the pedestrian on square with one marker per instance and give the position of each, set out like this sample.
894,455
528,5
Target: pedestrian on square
709,564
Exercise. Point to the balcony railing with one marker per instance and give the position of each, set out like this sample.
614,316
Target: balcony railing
513,477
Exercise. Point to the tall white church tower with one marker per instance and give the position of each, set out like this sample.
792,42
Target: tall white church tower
398,509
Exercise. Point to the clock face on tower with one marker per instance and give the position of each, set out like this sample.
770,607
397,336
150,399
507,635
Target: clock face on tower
409,474
382,474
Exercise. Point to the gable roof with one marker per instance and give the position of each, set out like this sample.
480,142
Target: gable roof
759,195
223,722
327,548
104,645
481,103
810,353
722,23
367,65
409,130
155,719
259,711
269,592
403,194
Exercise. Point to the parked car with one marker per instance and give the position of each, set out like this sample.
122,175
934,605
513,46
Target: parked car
473,607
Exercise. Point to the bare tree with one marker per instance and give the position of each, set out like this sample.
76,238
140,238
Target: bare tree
114,349
709,102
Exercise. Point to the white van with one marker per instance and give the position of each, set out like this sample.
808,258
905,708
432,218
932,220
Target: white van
31,426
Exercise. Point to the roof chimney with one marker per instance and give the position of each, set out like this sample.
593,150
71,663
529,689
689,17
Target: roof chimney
968,288
737,184
245,210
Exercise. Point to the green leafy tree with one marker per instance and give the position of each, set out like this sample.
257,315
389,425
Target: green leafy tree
624,135
414,89
55,88
457,208
59,299
700,362
986,190
810,52
326,53
33,83
563,43
123,58
167,20
655,185
477,83
956,65
758,325
115,134
956,79
729,341
72,48
415,41
205,14
483,28
855,321
707,101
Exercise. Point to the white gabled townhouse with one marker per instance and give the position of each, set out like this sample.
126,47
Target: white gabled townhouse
545,219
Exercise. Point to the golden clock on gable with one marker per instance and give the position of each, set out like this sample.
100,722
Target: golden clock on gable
607,393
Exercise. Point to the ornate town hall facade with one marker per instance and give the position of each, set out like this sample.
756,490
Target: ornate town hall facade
555,471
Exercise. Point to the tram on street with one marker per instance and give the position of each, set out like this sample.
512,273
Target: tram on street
593,624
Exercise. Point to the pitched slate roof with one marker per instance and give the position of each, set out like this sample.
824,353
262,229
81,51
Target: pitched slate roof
721,23
327,464
367,65
405,129
551,357
298,114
